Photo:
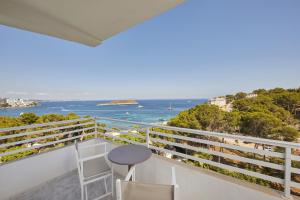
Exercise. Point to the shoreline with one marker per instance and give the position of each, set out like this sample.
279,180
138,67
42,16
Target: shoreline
19,107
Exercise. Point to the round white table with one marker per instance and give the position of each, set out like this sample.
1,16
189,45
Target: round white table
129,155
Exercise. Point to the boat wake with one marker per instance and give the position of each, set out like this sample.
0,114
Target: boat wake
65,110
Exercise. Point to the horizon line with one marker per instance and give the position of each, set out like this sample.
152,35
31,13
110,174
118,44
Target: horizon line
120,99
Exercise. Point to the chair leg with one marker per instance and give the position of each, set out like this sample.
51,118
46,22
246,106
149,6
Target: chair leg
112,181
118,190
133,174
105,185
82,193
86,194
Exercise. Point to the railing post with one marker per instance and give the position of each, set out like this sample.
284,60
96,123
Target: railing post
148,137
287,173
96,127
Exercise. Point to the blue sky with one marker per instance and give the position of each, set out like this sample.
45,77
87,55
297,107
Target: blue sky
199,49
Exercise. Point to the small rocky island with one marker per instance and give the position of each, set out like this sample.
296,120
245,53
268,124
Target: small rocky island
119,102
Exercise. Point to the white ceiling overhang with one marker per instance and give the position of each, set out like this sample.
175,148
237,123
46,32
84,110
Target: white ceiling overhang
84,21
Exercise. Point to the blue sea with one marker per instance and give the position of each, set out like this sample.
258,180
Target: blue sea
150,111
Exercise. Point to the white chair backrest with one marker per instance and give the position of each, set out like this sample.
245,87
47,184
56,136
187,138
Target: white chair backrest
128,190
84,152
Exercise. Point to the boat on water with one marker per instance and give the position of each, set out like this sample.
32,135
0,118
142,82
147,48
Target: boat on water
170,107
161,120
140,106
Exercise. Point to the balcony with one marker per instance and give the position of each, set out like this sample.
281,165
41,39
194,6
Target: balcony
38,161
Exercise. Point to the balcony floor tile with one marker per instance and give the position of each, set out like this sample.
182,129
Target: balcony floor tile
66,187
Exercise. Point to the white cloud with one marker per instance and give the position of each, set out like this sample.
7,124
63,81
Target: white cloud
41,94
87,93
16,93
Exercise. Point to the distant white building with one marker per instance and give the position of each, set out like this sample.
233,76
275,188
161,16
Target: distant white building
221,102
15,102
12,102
229,107
3,101
251,95
218,101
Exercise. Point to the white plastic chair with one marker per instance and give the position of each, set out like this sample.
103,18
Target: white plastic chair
131,190
92,166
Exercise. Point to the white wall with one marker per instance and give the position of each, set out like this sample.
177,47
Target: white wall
19,176
194,183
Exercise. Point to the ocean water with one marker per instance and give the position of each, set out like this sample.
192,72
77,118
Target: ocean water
153,111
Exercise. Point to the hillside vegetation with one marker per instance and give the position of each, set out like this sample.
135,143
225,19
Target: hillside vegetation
273,114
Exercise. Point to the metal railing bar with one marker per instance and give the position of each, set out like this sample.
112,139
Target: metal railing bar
233,157
123,127
117,131
125,132
229,146
295,170
125,121
135,135
295,184
220,165
296,158
43,131
43,124
214,134
43,145
44,137
123,139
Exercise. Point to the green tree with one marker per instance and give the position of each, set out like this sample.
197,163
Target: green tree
259,124
210,117
205,117
229,98
232,120
277,90
263,104
29,118
289,101
240,95
260,91
51,118
71,116
285,133
185,119
9,122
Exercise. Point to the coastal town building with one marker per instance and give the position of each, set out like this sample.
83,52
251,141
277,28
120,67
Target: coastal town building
218,101
16,102
221,102
2,101
251,95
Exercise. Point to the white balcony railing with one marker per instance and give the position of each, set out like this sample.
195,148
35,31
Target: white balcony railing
33,136
180,143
